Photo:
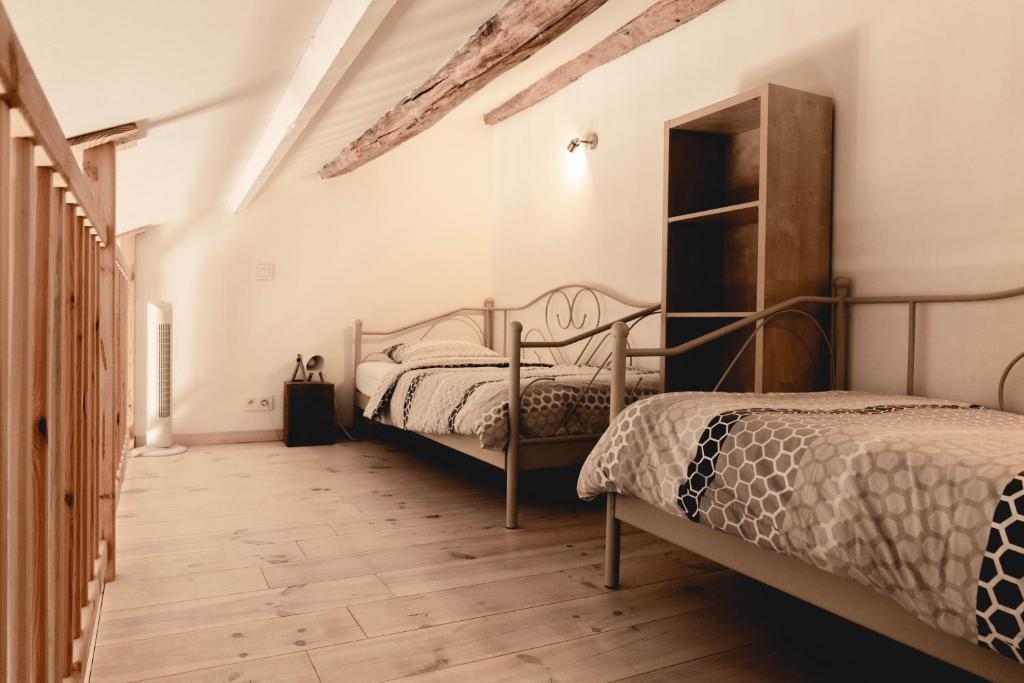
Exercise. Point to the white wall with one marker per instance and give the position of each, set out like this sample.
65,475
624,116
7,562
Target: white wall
401,238
929,134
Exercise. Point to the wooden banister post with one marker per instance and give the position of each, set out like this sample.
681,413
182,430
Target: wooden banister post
19,493
5,348
100,164
43,554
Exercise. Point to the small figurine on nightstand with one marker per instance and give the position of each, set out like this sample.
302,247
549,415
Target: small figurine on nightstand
310,370
314,367
309,418
300,369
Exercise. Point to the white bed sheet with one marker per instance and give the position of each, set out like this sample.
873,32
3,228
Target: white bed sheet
370,373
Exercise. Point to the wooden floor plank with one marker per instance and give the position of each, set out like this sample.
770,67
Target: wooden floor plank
501,542
525,563
194,615
434,528
610,655
293,668
217,559
757,663
256,518
399,614
127,594
489,511
415,652
232,538
154,657
395,562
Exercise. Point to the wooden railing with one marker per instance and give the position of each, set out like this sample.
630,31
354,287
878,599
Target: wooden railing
64,354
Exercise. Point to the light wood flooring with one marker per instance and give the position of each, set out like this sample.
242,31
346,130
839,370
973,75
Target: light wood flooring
375,561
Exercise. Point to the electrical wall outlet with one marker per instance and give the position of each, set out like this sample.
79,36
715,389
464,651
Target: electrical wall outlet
259,404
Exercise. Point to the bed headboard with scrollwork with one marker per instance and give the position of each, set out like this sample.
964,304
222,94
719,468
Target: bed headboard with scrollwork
571,310
554,315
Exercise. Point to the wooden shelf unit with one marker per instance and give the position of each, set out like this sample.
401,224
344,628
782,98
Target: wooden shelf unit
736,214
748,197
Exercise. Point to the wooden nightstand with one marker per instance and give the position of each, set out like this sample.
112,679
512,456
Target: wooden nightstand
309,414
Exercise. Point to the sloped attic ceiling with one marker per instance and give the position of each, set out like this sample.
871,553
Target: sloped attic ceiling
203,78
413,42
200,76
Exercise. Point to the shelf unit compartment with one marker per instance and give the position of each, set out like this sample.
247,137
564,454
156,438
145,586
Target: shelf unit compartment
748,190
701,368
714,267
712,170
795,357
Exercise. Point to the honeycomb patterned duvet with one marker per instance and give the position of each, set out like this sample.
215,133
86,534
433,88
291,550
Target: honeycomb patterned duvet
463,395
922,500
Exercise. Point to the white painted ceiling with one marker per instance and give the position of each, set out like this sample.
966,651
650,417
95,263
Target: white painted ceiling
204,76
417,37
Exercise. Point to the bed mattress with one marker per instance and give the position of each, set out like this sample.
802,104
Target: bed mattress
922,500
462,395
370,373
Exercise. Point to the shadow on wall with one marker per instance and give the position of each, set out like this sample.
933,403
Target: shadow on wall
828,68
962,348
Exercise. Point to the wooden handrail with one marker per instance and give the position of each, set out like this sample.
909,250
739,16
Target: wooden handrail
65,376
21,90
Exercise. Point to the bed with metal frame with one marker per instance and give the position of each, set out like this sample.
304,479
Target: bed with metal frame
836,594
564,325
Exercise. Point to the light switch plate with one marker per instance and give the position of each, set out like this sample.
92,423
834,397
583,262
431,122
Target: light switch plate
264,271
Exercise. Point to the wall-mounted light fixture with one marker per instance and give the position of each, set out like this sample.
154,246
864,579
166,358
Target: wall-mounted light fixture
590,140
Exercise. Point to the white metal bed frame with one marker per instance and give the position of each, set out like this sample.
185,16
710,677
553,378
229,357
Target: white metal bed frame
571,319
836,594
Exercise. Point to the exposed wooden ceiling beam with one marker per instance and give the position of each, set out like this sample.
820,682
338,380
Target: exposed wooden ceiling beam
519,29
659,18
347,26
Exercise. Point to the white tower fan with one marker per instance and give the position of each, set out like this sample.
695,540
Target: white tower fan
159,437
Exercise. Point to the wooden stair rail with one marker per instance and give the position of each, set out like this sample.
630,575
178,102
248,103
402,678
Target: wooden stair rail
65,391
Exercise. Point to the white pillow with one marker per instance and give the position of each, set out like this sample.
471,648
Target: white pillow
428,349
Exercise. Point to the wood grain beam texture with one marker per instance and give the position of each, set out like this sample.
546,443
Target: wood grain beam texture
343,33
658,19
120,135
517,31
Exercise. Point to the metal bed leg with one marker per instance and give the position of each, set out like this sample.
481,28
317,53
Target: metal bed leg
512,454
612,537
511,493
612,526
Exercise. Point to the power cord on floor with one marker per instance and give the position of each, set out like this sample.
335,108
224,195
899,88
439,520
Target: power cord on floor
347,433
